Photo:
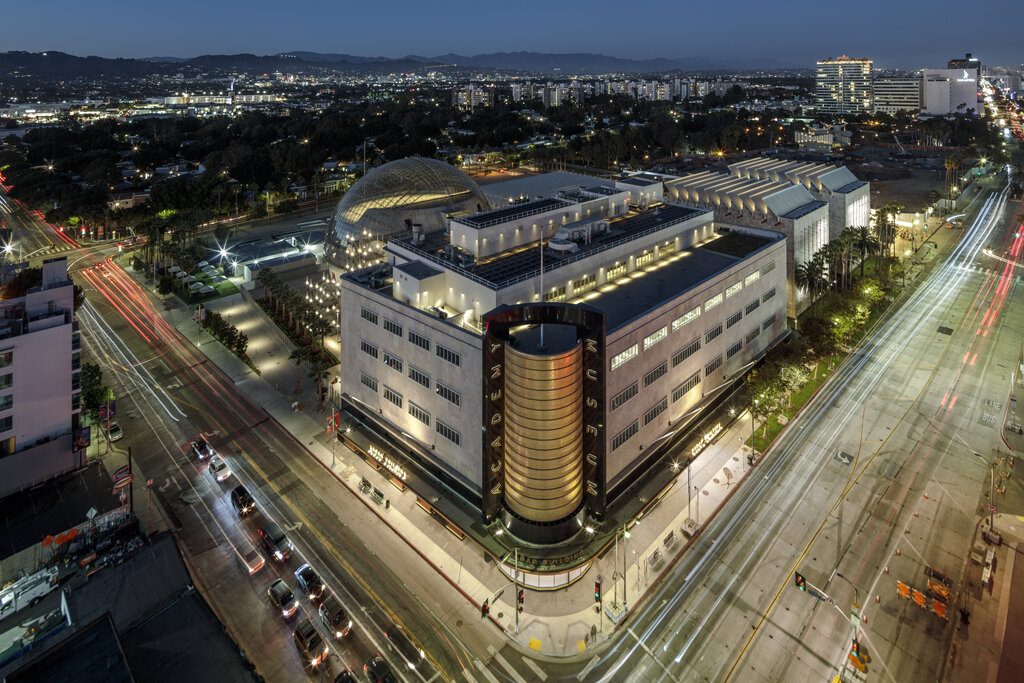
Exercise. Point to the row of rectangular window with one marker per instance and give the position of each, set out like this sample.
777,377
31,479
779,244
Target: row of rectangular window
419,376
652,414
448,433
733,319
733,289
393,327
734,349
686,386
769,267
7,423
713,334
752,306
685,352
420,414
6,401
655,337
369,349
769,321
369,316
419,340
393,396
393,362
448,394
449,355
685,318
752,335
768,295
712,366
625,435
629,354
656,374
620,398
368,382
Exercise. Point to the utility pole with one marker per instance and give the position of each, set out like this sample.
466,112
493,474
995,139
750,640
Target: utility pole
131,484
615,581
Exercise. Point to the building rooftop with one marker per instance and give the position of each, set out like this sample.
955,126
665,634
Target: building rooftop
541,185
801,211
639,180
533,207
637,294
418,270
92,654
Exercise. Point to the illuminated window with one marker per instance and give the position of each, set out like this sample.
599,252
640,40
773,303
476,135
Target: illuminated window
752,278
655,337
627,355
733,289
685,318
712,302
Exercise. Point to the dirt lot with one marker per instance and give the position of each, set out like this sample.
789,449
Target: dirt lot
912,192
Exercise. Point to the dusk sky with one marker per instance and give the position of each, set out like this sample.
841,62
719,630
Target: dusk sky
893,32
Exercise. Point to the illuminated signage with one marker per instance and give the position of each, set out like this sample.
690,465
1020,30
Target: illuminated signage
706,439
387,462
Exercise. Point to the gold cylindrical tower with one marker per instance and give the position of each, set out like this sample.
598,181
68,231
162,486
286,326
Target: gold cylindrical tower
543,425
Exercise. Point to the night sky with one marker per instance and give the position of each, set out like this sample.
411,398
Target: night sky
900,33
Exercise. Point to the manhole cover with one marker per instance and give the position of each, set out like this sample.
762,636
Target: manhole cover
458,622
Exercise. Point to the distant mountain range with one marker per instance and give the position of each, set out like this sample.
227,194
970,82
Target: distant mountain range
63,65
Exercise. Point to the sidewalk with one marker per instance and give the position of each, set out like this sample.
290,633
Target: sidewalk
561,622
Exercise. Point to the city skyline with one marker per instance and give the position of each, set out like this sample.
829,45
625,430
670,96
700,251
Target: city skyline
906,40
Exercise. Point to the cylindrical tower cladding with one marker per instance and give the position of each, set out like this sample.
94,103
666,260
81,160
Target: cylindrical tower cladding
543,424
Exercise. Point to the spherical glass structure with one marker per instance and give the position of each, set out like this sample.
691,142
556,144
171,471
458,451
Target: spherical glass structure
396,198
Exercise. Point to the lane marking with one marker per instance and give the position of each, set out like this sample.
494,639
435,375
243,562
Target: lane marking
537,671
504,663
483,669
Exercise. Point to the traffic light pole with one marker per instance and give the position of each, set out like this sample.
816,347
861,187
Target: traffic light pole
516,581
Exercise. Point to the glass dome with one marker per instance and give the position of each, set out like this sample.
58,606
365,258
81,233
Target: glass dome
392,198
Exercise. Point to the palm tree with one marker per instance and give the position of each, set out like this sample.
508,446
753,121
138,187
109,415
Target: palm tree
866,242
848,239
811,275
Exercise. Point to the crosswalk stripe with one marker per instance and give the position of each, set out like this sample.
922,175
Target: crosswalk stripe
469,676
504,663
487,674
534,668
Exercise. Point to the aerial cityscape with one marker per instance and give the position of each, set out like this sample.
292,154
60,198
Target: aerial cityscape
532,344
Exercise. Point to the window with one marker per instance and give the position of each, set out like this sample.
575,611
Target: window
368,315
6,401
752,278
655,374
768,322
584,284
713,334
556,294
624,395
393,362
616,271
734,349
652,414
712,302
419,340
393,396
368,348
6,358
768,295
687,317
627,355
733,319
625,435
733,289
752,335
686,387
753,306
368,382
768,268
6,380
448,433
419,376
712,366
420,414
393,327
644,259
448,394
655,337
449,355
6,424
685,352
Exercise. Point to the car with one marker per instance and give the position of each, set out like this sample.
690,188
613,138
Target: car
114,432
334,618
283,599
219,469
242,500
250,558
310,644
274,541
310,583
346,676
403,645
378,670
202,449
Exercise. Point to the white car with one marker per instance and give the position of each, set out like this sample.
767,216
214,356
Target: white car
114,432
219,469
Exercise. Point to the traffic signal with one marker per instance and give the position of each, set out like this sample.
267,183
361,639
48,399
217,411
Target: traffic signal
522,598
485,608
597,591
801,582
855,648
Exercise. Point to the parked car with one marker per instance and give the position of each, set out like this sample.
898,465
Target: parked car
346,676
202,449
114,432
310,644
242,500
283,599
274,541
403,645
310,583
334,618
378,670
219,469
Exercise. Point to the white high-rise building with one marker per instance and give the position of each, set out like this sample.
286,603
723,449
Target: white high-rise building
843,85
949,91
893,94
